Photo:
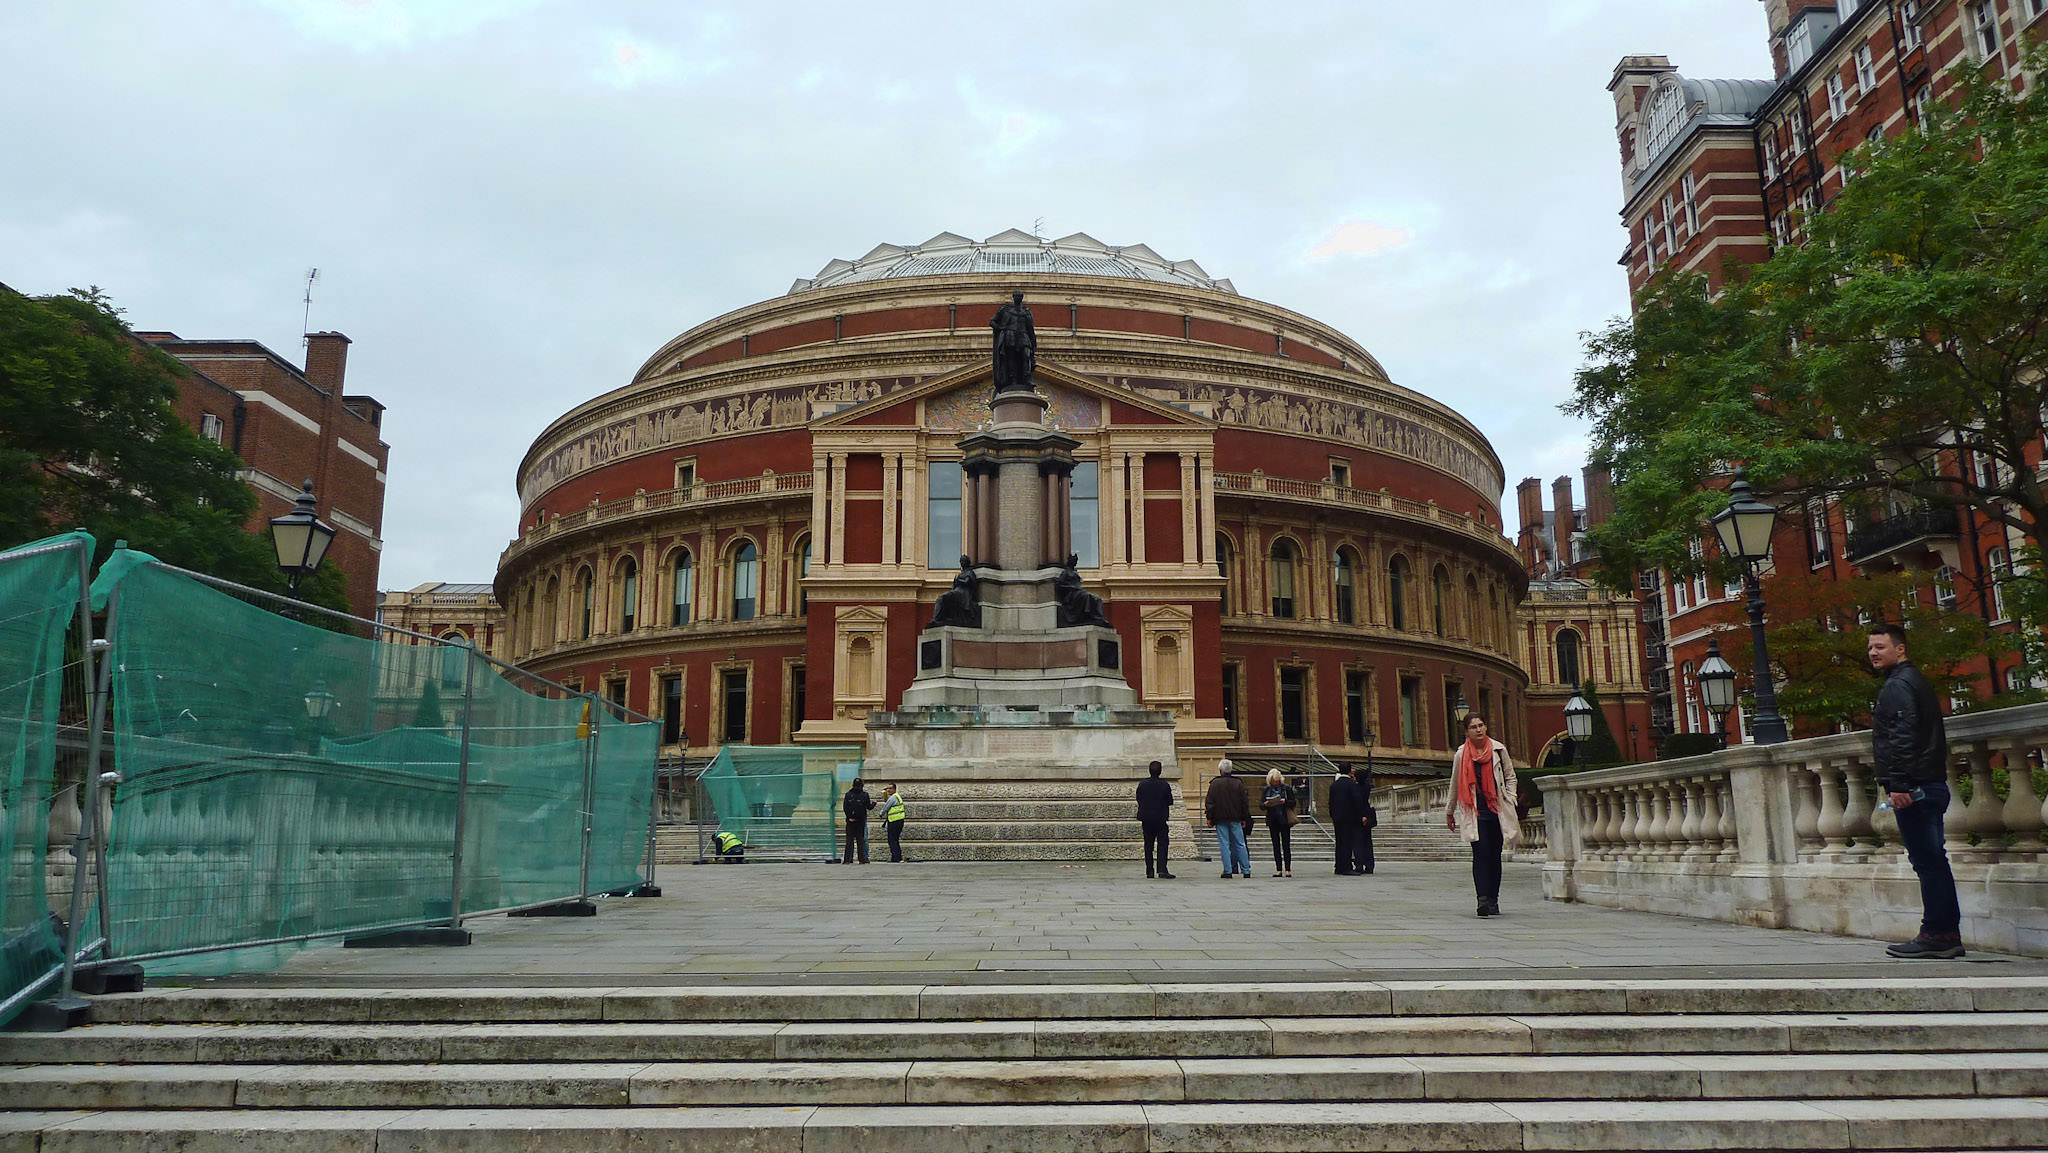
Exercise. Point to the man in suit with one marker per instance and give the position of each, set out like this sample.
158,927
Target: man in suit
1347,813
1155,807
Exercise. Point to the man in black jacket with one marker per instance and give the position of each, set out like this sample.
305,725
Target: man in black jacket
1910,747
856,805
1347,819
1155,806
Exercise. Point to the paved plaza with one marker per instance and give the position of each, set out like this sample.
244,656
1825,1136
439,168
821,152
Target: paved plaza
1014,923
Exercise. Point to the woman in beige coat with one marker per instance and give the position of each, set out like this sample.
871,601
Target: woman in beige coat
1481,808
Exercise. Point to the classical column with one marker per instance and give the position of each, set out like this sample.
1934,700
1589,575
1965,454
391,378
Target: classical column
1205,491
821,498
913,515
892,466
838,506
1190,541
1049,518
970,520
1113,499
1137,496
1066,511
986,482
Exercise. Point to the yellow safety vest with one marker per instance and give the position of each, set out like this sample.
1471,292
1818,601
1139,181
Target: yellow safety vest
894,809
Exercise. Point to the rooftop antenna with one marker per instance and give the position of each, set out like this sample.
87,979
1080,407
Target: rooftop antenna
306,322
1038,229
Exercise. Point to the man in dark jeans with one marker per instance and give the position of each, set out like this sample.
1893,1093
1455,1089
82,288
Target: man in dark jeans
1155,806
1910,747
856,806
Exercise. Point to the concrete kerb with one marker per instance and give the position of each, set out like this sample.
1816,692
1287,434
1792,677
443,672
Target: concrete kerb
1054,1002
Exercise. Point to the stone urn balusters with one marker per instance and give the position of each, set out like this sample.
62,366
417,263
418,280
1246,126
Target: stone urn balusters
1805,781
1832,830
1987,812
1856,805
1731,850
1691,830
2022,813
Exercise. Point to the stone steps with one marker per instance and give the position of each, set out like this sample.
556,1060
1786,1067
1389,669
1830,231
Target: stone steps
1315,1067
613,1084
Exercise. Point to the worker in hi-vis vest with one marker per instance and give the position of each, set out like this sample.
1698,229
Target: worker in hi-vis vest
892,819
729,846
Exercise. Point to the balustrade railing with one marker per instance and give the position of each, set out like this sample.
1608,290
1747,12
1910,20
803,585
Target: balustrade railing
1798,835
1330,492
699,494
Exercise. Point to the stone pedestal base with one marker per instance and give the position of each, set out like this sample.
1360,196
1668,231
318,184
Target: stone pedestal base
1018,657
1000,784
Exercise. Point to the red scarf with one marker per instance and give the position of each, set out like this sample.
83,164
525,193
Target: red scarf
1476,763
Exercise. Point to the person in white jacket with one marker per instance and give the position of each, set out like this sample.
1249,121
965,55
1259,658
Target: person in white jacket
1481,809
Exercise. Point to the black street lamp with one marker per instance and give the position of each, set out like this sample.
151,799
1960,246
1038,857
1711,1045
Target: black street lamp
1578,721
1717,687
301,539
1745,528
319,704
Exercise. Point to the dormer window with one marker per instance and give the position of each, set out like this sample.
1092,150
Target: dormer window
1662,120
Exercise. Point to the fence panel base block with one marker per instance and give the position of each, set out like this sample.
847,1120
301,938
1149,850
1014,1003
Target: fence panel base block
409,939
52,1016
560,909
117,977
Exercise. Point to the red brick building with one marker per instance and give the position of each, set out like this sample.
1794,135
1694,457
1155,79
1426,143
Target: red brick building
1723,170
288,424
747,538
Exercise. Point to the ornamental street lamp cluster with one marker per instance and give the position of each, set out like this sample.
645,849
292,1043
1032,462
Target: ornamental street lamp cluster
1745,529
301,539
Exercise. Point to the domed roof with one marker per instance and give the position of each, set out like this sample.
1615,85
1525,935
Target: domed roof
948,254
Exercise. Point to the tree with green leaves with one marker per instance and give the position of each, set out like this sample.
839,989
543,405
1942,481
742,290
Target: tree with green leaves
429,714
90,438
1601,747
1895,357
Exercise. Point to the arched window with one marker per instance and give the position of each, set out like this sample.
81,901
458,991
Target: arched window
454,660
587,595
746,581
1567,657
1223,570
1397,591
1342,568
682,586
1498,637
1468,612
629,594
1281,569
1440,591
551,615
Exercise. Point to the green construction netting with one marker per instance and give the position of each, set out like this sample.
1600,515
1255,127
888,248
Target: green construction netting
282,781
39,591
780,798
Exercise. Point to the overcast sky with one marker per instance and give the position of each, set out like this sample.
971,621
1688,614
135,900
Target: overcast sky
512,204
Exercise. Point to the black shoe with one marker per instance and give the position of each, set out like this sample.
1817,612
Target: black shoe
1227,876
1488,909
1149,874
1926,948
1166,876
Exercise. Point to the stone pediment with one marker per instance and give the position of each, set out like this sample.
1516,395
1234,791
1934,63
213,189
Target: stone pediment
959,400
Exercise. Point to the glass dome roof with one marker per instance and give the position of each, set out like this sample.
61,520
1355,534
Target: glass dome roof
948,254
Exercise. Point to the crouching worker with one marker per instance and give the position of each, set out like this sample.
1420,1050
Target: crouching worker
729,846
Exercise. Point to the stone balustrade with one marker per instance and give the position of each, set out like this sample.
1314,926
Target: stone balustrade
1793,836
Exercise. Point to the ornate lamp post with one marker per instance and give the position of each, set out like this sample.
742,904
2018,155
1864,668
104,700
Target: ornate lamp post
1459,711
301,538
319,704
1578,721
1745,528
1717,687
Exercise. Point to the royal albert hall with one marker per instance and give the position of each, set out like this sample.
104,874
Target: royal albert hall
746,540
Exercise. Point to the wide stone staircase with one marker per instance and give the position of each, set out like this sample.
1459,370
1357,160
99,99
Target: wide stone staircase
1949,1064
1046,817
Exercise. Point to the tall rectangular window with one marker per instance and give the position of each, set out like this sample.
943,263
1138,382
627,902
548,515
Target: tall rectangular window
1354,707
1866,70
1293,704
671,710
1085,513
1838,99
1691,189
615,691
210,427
1230,699
798,695
1909,19
1411,712
732,687
943,511
1984,36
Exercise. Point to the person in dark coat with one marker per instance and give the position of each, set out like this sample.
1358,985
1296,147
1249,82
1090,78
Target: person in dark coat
1909,745
856,805
1347,812
1361,854
1155,807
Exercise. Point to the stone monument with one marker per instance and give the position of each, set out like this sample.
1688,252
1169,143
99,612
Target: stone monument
1019,736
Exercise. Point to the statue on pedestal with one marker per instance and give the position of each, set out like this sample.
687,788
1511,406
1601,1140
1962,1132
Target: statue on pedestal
957,606
1077,605
1016,346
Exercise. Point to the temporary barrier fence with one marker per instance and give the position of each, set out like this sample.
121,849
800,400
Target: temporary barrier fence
280,783
42,590
782,800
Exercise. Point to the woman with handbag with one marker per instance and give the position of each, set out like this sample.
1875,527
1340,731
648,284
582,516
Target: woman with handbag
1281,813
1482,808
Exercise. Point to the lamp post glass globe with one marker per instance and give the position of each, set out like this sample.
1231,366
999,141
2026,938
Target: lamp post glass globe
1461,710
301,537
1578,718
1744,527
319,702
1717,680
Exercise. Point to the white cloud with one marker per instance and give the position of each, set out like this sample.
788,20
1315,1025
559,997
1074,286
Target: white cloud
1357,238
371,24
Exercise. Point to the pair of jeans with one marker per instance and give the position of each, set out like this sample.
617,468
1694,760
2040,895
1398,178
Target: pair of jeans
1941,915
857,835
1231,848
1283,845
1156,837
1486,859
896,841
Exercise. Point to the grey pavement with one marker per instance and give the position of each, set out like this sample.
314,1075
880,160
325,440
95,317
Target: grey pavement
1102,921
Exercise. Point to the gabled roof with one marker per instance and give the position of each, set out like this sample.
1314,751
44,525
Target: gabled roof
1047,371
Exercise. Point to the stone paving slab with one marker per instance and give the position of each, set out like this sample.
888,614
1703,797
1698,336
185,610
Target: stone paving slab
1012,923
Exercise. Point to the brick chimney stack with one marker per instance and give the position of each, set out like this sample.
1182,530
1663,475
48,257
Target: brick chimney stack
1562,521
1529,511
326,360
1599,495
